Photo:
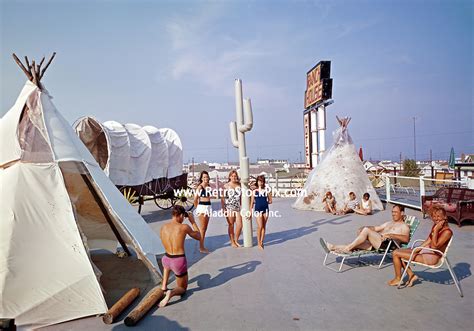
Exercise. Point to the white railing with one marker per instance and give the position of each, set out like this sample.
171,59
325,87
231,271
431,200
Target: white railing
408,191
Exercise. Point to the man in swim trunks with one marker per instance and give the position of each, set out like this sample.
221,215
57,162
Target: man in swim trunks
172,236
377,237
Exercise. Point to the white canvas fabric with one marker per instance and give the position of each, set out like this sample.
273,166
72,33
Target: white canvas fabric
140,154
119,153
341,171
45,274
159,153
175,152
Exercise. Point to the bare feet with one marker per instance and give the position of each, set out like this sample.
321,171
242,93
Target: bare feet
412,280
330,246
260,247
394,282
237,244
343,251
204,250
165,300
233,244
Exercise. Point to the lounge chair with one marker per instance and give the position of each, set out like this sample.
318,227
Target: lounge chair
441,262
410,220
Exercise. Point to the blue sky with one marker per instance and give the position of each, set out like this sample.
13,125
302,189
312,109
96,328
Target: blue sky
173,64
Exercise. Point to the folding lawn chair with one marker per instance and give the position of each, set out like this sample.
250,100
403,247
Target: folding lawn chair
441,262
410,220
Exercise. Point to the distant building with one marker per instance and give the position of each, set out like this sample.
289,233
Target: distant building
271,161
465,168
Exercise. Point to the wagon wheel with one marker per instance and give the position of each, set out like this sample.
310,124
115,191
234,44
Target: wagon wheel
130,195
164,201
375,176
185,198
298,180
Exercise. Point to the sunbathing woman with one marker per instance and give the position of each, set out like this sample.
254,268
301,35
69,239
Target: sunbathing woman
438,239
329,203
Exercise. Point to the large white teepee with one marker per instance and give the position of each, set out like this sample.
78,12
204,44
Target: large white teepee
57,204
340,171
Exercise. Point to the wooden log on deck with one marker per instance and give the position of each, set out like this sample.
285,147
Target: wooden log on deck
155,295
121,305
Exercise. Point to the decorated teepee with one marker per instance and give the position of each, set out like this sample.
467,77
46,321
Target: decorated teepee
341,171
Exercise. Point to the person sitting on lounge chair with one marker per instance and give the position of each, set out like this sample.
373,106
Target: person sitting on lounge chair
438,238
376,237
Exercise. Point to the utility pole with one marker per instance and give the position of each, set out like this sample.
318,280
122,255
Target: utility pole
401,162
431,163
193,167
414,136
301,160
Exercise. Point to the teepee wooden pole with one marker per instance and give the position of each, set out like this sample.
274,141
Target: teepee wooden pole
17,60
47,65
28,65
33,72
39,67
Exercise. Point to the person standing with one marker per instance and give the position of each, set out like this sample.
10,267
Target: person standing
202,204
261,198
231,205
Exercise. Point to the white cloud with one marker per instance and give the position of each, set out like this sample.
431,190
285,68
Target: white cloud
204,55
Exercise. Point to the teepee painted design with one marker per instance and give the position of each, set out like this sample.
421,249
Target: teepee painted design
341,171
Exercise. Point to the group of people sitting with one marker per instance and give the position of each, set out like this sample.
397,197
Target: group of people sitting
378,237
351,206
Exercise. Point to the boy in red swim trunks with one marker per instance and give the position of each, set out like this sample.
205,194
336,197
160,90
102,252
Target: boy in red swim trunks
172,236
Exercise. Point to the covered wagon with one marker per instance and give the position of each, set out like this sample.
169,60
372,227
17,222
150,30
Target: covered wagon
145,163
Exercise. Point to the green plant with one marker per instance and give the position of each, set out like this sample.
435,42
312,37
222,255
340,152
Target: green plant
410,168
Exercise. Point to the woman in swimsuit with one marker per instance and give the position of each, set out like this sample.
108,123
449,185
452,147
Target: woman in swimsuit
230,203
202,203
438,239
261,198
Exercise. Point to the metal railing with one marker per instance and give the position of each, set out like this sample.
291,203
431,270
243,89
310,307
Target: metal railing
408,191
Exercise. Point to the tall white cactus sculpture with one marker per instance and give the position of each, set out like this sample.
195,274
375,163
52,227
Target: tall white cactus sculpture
237,134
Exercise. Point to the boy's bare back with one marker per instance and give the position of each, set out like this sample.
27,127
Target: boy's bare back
173,235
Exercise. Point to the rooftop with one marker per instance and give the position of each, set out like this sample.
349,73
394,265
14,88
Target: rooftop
286,287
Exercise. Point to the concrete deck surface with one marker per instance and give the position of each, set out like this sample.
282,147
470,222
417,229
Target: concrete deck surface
286,287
